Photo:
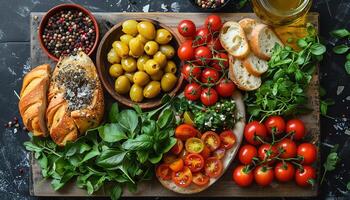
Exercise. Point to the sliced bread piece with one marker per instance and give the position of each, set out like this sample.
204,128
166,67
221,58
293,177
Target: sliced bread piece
263,41
248,24
233,39
255,65
241,77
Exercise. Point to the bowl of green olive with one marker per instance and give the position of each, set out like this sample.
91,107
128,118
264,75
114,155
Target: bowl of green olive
137,62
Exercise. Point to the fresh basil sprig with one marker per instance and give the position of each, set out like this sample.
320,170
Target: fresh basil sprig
342,48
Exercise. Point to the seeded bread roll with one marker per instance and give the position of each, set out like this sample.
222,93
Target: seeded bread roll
75,98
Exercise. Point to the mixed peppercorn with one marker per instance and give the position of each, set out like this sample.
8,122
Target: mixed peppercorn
210,3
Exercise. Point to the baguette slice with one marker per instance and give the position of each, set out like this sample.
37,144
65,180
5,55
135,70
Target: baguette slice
255,65
248,24
233,39
263,41
241,77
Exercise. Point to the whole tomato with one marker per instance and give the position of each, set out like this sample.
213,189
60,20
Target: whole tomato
284,171
263,175
306,176
213,23
209,76
267,152
192,91
275,125
254,132
288,147
190,71
209,96
247,153
242,176
186,51
202,55
308,152
220,64
215,44
185,131
187,28
225,88
297,127
202,36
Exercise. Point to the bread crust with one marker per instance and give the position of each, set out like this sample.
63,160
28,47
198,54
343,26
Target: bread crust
251,68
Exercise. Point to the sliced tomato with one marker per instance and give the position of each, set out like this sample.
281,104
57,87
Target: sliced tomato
228,139
211,140
177,165
200,179
219,153
213,167
169,158
194,162
206,152
183,154
177,148
194,145
163,171
185,131
182,178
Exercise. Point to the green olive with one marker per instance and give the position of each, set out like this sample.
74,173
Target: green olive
136,47
141,62
141,78
147,30
170,67
167,50
130,76
136,93
122,85
121,48
129,64
151,47
141,38
163,36
160,58
116,70
113,57
152,89
130,27
168,82
157,76
151,67
126,38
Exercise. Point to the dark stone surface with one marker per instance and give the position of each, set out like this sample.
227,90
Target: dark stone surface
15,62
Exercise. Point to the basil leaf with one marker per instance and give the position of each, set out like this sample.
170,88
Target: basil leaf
90,155
143,142
110,158
301,43
128,119
32,147
340,33
89,187
340,49
166,117
111,132
116,192
148,127
56,184
142,156
347,67
332,160
113,113
348,56
154,159
317,49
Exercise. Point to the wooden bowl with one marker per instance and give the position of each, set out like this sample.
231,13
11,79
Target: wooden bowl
58,8
103,66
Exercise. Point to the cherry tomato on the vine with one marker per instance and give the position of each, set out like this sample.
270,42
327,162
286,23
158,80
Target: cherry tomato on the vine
297,127
284,171
192,91
267,152
203,55
213,23
288,147
247,153
210,76
186,51
242,176
187,28
209,96
275,125
202,36
254,132
308,152
225,88
306,176
215,44
220,61
263,175
191,71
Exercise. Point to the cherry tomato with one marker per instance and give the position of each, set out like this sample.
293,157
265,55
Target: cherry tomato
242,176
253,131
182,178
228,139
215,44
177,165
200,179
297,127
219,153
213,167
225,88
220,64
177,148
185,131
209,96
267,152
163,171
263,175
210,76
275,125
247,153
306,176
284,171
213,23
186,51
194,145
169,158
202,36
308,152
206,152
202,55
211,140
187,28
194,162
190,71
183,154
192,91
289,148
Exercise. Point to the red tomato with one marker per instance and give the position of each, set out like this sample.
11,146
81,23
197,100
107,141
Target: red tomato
182,178
202,36
183,154
306,176
263,175
225,88
209,96
289,148
191,71
177,165
211,140
215,44
202,55
284,171
219,153
186,51
210,76
228,139
213,23
185,131
192,91
242,176
247,153
194,145
169,158
308,152
297,127
194,162
220,64
254,131
200,179
275,125
267,152
206,152
213,167
163,171
177,148
187,28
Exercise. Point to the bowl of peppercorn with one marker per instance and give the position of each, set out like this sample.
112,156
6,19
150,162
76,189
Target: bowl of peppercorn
209,5
67,29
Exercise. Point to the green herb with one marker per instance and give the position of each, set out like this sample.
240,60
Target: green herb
342,48
325,103
348,186
340,33
241,4
330,163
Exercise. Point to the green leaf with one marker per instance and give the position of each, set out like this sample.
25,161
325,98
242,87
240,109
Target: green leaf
301,43
128,119
109,159
137,108
348,56
32,147
340,33
90,155
148,127
348,186
89,187
332,160
154,159
143,142
166,117
142,156
113,113
56,184
317,49
111,132
116,192
347,67
340,49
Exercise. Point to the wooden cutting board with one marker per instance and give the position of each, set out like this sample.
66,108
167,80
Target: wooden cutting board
223,187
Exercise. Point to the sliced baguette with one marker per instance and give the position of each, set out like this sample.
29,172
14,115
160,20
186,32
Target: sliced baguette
248,24
255,65
263,40
233,39
241,77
